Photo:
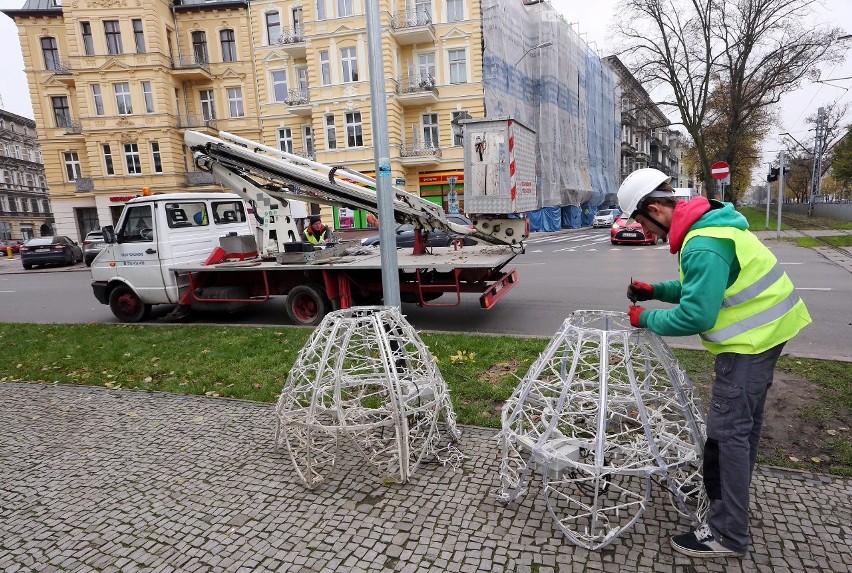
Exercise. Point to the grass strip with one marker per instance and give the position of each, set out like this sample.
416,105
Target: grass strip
252,363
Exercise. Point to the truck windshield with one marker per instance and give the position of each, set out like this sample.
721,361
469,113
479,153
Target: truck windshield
136,227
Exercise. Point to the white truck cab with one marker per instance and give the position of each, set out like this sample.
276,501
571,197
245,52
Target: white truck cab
155,233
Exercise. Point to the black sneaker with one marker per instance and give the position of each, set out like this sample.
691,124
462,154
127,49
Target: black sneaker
702,543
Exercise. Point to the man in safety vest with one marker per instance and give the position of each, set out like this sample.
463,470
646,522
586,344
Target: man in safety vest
736,297
317,233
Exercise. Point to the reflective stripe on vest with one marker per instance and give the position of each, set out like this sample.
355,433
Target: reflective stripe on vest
761,308
313,240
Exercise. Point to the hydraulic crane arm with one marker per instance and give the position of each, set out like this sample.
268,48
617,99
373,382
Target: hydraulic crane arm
259,172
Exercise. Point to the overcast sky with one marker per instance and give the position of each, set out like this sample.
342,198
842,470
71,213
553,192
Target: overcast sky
593,19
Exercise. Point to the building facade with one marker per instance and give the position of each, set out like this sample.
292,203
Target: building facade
114,84
24,198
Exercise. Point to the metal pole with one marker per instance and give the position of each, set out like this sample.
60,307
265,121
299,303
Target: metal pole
381,150
780,191
768,201
817,157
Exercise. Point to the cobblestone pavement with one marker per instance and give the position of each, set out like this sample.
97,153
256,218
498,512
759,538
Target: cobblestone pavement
103,480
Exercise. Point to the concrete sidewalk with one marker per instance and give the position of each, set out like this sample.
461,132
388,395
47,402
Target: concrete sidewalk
104,480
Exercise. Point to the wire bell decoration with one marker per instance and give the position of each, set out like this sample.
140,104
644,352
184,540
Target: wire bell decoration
365,383
604,413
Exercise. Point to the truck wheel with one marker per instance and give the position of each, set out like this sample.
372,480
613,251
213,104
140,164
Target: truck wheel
127,306
307,304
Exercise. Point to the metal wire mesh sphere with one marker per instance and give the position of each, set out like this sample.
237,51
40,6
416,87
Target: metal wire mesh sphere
605,410
366,381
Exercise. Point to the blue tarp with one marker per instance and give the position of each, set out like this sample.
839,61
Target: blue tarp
571,217
546,219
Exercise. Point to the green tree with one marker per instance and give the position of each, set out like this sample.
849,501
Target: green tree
841,161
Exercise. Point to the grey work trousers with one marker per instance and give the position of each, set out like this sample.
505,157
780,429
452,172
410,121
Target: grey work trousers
733,434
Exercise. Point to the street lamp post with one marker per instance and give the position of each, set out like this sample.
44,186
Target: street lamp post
542,45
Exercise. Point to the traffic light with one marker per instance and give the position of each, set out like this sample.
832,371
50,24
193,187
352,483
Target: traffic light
773,175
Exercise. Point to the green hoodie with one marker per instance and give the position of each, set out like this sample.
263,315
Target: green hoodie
709,267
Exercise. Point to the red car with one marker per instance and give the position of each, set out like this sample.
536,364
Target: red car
4,244
621,232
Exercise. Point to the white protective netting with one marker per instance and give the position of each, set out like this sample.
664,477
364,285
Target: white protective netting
563,91
366,382
604,412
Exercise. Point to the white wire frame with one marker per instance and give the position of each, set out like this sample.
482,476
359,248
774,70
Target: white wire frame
366,380
605,411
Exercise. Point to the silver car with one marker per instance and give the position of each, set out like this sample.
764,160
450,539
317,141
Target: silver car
605,217
92,245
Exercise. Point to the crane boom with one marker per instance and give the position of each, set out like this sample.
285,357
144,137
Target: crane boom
260,173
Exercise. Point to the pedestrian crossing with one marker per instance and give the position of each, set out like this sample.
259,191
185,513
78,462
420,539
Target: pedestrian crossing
579,241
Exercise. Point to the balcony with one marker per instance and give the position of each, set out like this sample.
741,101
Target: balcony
69,125
627,149
62,71
292,42
299,102
627,117
310,155
197,178
416,90
84,184
192,121
418,154
413,27
191,68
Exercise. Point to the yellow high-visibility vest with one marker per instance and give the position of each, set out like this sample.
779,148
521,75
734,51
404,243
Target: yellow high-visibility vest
761,308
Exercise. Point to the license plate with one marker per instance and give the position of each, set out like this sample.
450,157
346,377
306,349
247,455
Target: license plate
43,250
629,235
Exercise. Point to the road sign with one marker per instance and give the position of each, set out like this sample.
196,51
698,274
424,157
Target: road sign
720,170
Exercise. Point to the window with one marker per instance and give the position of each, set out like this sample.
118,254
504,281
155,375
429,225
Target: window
455,10
279,85
350,64
186,214
51,53
297,21
88,43
18,152
136,225
235,102
97,97
325,67
131,159
285,139
113,37
320,9
308,133
273,27
423,11
148,96
302,73
426,68
108,164
458,66
354,137
156,158
458,139
430,129
330,132
61,112
72,165
138,36
122,98
208,106
228,212
229,45
199,47
344,8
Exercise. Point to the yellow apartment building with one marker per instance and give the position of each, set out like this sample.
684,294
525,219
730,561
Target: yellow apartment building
115,83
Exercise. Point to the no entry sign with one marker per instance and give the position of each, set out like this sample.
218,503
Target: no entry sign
720,170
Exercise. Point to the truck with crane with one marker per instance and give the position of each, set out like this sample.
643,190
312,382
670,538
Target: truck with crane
200,251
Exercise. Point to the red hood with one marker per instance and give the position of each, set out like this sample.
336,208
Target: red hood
684,216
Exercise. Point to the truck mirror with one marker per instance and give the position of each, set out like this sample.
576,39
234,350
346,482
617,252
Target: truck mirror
109,234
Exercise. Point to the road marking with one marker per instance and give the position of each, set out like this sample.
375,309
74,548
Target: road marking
813,288
791,263
537,251
7,291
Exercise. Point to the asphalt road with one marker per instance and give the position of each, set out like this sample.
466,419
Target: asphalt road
560,273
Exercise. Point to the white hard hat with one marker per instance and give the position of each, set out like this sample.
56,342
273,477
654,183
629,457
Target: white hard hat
638,185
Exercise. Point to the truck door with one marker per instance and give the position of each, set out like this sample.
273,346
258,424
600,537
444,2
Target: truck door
137,259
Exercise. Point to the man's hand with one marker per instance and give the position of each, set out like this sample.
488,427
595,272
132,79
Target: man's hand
634,313
638,290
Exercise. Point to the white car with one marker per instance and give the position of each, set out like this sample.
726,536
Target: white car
605,217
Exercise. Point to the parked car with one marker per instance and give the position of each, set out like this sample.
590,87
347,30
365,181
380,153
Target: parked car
621,232
605,217
405,235
6,243
58,250
92,245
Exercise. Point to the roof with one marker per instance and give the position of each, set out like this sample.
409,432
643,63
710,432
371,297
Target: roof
188,5
36,8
